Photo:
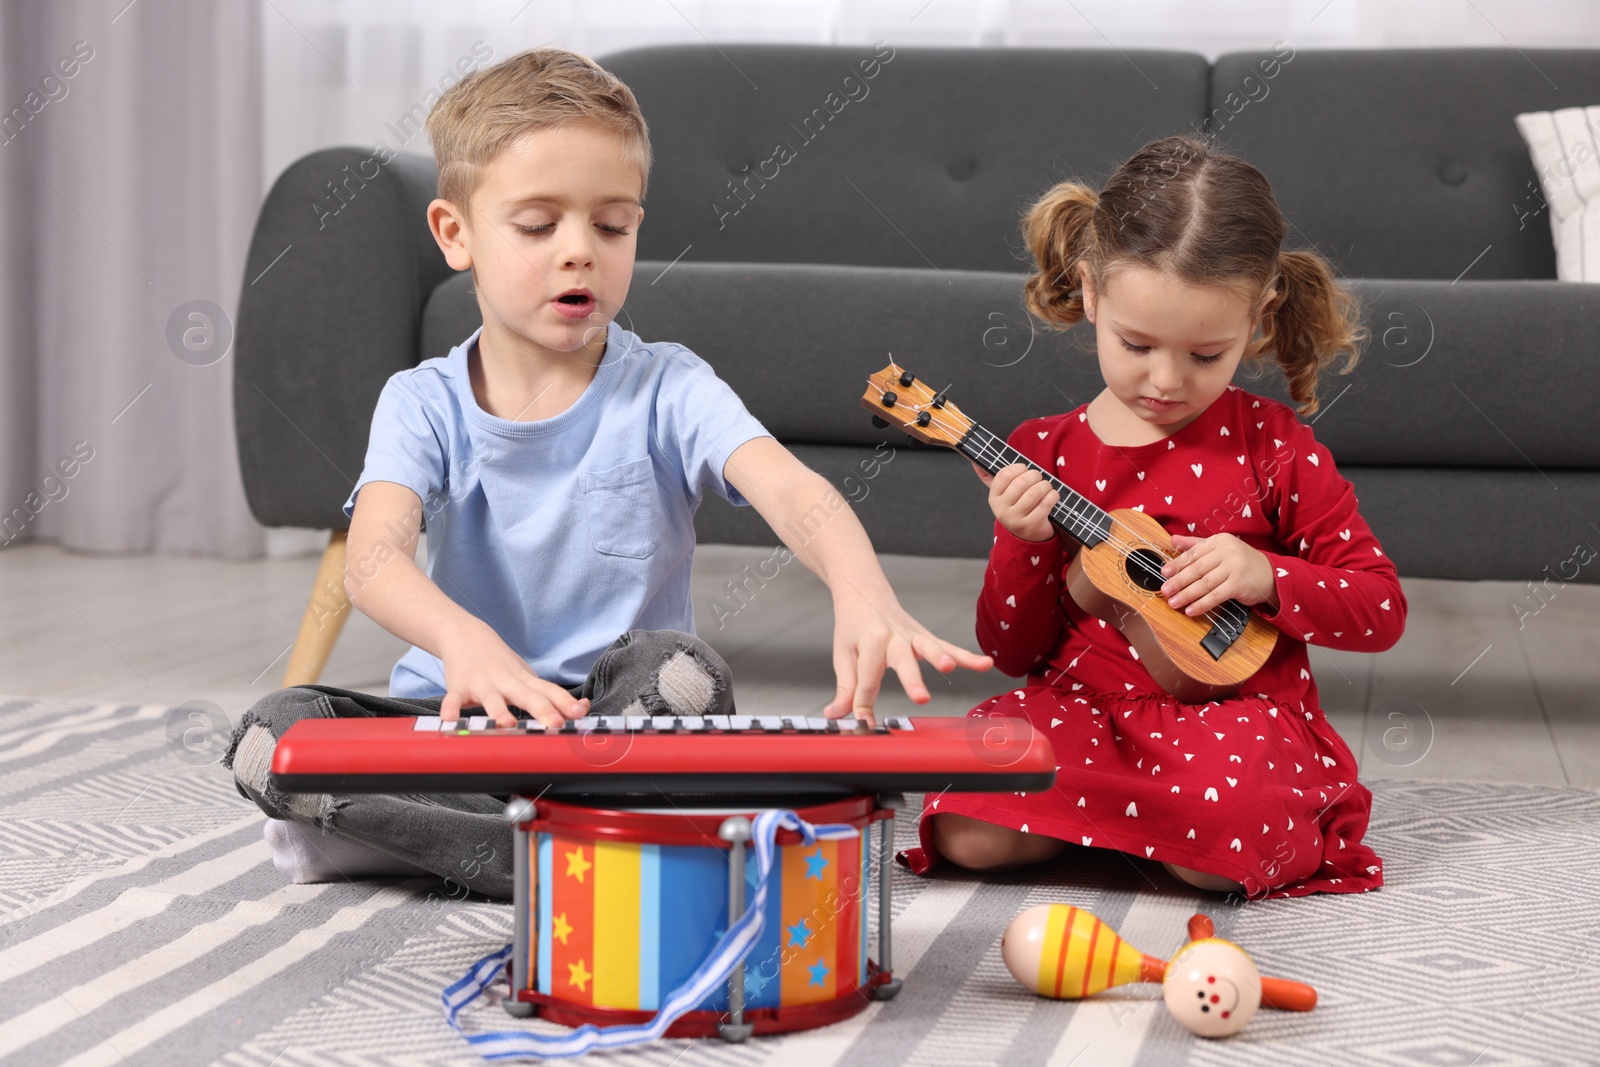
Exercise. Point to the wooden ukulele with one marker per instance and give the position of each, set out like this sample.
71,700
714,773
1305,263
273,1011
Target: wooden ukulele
1117,574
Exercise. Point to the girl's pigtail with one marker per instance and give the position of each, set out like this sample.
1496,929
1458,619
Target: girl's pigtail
1059,231
1311,320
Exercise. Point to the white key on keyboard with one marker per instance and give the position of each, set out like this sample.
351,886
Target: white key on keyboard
899,722
613,722
533,726
427,724
798,723
585,723
636,722
720,722
770,723
694,722
663,722
819,722
740,723
478,722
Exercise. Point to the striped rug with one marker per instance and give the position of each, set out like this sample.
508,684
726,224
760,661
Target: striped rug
143,923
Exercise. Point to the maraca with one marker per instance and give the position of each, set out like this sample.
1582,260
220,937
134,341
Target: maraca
1211,986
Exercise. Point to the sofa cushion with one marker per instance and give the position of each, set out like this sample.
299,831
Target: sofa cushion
926,163
1475,374
1404,162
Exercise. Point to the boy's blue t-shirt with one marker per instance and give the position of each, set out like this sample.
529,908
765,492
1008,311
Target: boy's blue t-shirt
563,533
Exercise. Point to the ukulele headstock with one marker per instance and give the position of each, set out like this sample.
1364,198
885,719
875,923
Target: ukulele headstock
895,397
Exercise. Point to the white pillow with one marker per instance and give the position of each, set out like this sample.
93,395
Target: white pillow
1565,146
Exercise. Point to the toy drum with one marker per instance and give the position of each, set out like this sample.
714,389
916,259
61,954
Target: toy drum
616,906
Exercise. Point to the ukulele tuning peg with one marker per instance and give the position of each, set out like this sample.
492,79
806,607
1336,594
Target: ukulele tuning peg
906,378
879,422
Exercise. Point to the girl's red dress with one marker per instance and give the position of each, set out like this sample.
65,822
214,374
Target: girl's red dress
1258,788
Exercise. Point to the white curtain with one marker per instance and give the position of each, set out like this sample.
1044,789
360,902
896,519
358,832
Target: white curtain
130,167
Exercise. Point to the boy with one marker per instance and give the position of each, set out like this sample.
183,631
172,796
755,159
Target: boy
560,459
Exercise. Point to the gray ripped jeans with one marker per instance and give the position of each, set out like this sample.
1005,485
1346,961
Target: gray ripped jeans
464,837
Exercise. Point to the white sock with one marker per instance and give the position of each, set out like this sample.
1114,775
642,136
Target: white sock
307,854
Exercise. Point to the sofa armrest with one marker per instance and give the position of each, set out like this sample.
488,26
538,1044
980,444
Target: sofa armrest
339,268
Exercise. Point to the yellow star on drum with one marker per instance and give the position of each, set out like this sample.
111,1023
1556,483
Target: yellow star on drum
576,864
562,928
578,976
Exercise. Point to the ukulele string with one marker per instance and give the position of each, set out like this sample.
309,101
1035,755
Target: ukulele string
996,449
989,450
1126,547
1123,545
998,453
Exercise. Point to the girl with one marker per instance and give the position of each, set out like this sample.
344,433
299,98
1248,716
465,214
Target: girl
1178,264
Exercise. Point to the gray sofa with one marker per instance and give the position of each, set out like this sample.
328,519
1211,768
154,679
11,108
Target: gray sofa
890,226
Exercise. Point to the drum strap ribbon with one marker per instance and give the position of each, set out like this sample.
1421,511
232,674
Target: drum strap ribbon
729,951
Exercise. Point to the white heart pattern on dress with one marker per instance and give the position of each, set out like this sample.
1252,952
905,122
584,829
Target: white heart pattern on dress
1197,468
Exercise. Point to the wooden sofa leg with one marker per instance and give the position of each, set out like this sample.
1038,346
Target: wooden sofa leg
326,611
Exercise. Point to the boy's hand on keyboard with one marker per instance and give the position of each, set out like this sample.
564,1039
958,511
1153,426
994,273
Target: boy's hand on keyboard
871,635
481,670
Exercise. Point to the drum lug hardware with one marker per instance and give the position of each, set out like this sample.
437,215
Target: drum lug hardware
736,830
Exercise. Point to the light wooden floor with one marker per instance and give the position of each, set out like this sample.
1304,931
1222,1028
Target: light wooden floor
1465,695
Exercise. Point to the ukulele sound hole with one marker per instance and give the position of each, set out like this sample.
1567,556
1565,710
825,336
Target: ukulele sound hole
1144,569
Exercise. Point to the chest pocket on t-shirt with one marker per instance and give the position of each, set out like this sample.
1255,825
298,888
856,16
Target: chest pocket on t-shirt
620,505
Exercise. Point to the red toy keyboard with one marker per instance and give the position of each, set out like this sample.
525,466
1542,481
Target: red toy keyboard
626,755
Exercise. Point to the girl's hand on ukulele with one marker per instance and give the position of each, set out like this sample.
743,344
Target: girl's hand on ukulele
1022,500
1209,570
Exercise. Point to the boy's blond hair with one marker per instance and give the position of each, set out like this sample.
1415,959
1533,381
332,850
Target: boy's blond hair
539,89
